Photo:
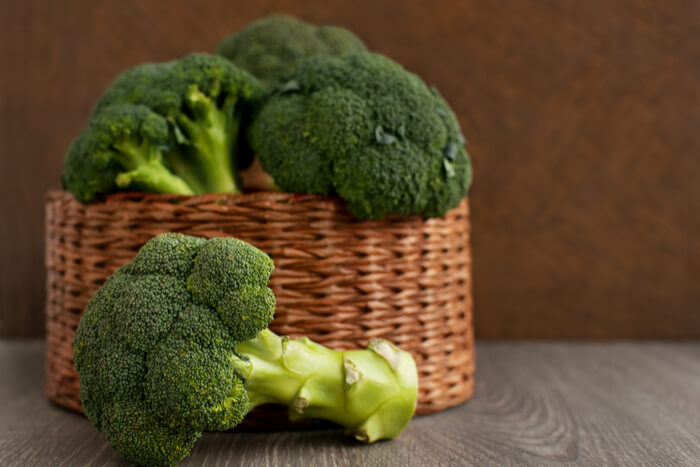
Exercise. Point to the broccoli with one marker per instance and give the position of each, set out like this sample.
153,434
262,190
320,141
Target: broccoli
364,128
121,147
205,100
176,343
273,45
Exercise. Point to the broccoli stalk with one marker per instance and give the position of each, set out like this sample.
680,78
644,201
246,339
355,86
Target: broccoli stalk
372,393
184,168
211,133
143,163
254,178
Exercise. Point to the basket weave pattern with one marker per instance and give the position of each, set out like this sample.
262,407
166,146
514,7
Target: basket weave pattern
339,281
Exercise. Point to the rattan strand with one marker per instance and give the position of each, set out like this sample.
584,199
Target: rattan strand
338,280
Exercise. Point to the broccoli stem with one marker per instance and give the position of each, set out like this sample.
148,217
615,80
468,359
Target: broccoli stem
144,166
372,392
212,133
255,178
186,170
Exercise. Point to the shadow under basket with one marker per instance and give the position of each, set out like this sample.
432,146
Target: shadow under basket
338,280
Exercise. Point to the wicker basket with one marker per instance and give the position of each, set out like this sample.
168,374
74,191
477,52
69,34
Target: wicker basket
338,280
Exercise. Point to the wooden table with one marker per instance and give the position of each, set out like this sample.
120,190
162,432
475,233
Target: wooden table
535,404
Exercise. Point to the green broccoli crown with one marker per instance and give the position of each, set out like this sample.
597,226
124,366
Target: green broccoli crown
155,348
178,86
190,109
273,45
176,343
364,128
121,147
206,99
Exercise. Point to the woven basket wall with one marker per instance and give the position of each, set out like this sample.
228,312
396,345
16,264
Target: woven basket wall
338,280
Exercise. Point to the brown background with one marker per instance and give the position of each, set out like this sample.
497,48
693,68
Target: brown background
583,121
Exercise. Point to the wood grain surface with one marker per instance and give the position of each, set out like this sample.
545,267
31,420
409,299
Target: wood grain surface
539,404
582,120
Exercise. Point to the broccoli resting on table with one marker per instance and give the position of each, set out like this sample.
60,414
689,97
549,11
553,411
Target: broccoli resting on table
273,45
197,105
176,343
364,128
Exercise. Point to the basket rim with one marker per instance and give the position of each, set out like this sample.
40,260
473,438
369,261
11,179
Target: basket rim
333,203
140,195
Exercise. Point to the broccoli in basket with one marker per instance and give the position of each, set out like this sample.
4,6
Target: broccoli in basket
176,343
122,147
364,128
191,134
273,45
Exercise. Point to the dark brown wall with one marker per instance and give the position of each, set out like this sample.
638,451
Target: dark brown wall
583,120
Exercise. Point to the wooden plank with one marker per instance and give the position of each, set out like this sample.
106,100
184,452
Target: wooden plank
581,119
535,404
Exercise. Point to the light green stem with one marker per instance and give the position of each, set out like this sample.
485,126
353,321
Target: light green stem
143,164
185,169
212,134
372,392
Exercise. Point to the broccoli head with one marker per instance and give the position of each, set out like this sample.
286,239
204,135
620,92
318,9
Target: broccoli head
122,147
204,98
176,343
364,128
273,45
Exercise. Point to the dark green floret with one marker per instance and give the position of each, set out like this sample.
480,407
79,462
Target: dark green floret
273,45
176,343
156,366
122,148
364,128
205,98
168,127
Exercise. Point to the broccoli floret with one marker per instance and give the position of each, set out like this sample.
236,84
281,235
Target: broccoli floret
362,127
205,99
273,45
176,343
122,147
